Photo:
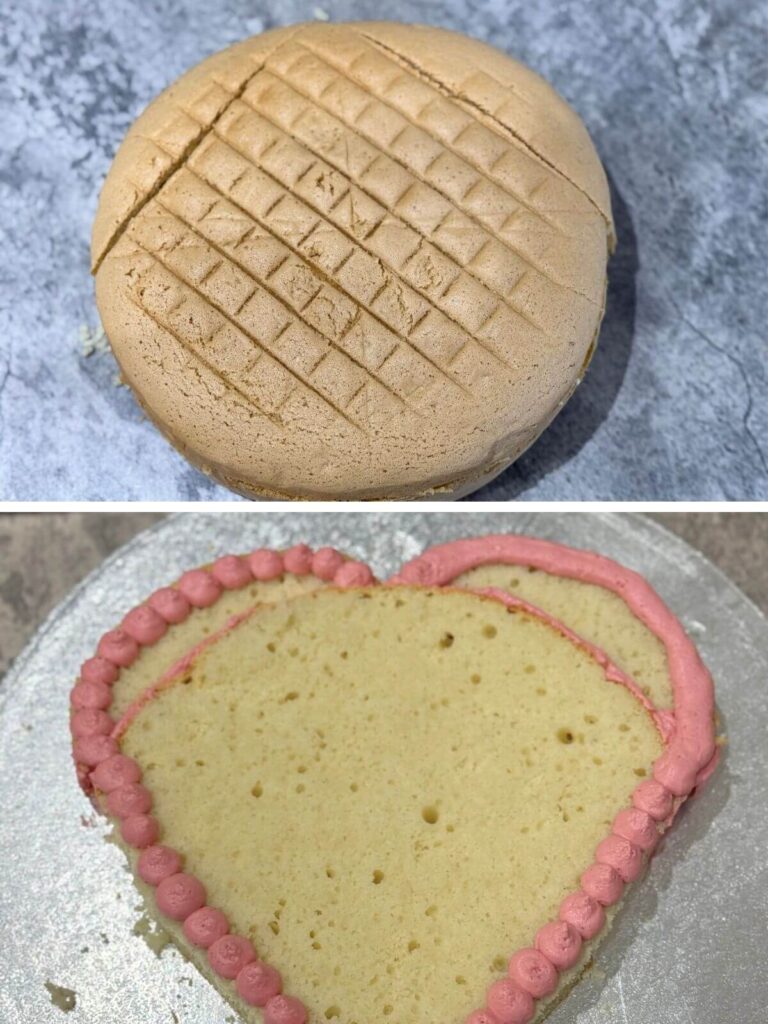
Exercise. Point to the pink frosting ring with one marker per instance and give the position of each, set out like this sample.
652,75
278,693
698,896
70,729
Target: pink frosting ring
298,560
229,954
560,943
603,883
619,856
265,565
117,646
200,588
145,625
205,926
622,855
353,574
91,722
231,572
326,562
117,770
509,1003
92,750
171,604
140,830
584,913
99,670
156,863
91,695
284,1010
130,799
179,895
531,970
257,983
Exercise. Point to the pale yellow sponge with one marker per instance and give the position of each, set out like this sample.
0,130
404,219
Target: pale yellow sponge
389,791
592,611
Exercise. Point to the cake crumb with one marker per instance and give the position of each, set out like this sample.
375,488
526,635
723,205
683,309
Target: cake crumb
63,998
92,340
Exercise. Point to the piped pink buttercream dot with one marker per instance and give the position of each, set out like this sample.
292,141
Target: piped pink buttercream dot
156,863
117,770
119,647
200,588
298,560
171,604
622,855
204,926
92,750
651,797
560,943
676,770
325,563
257,983
91,722
229,954
531,970
99,670
509,1003
180,895
265,565
145,625
91,695
284,1010
132,798
139,831
481,1017
603,883
353,574
584,913
636,826
231,572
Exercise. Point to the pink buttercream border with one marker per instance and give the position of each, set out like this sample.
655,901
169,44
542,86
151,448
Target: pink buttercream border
99,764
689,757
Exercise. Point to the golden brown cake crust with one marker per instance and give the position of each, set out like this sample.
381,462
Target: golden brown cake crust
354,261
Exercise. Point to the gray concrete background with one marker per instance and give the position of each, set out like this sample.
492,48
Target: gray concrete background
675,405
43,555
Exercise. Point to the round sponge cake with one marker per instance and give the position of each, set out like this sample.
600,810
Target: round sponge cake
354,261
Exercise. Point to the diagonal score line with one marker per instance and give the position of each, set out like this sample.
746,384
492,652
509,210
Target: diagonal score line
384,262
344,74
332,282
417,178
188,150
476,109
262,283
449,148
513,309
413,225
259,344
206,363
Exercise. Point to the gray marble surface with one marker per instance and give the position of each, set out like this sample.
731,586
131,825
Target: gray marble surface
676,403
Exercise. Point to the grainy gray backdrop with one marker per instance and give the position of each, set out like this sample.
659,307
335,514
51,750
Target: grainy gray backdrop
676,403
43,556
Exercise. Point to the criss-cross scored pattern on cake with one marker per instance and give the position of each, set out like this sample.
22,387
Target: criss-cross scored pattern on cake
343,248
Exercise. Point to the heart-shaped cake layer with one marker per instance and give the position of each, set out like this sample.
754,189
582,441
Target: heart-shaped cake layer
477,756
